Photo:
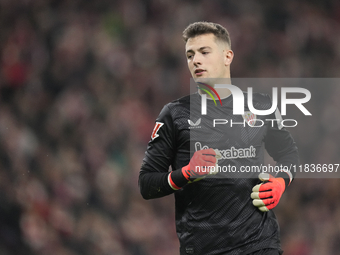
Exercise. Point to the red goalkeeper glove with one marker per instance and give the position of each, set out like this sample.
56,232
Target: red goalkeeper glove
267,194
201,164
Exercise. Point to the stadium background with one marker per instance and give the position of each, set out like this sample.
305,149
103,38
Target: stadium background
81,84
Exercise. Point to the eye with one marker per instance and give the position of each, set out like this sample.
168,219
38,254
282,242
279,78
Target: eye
205,52
189,56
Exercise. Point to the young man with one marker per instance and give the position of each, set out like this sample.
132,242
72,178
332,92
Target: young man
230,213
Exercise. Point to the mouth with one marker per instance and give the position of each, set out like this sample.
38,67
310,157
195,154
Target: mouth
199,72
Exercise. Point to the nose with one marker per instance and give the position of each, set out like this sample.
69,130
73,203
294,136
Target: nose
196,60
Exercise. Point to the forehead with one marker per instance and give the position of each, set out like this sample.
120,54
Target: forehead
205,40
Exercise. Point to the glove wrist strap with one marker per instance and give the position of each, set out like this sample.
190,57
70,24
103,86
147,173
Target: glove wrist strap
186,171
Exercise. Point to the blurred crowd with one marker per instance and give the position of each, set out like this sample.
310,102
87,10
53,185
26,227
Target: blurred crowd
81,83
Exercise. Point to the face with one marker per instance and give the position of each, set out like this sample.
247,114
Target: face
208,58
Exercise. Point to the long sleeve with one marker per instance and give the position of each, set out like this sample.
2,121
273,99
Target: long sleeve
282,148
160,153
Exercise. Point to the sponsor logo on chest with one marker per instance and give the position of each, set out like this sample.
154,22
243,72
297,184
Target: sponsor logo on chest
232,153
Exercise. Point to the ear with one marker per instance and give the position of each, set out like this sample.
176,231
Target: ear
228,57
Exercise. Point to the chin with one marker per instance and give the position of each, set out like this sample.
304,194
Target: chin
203,79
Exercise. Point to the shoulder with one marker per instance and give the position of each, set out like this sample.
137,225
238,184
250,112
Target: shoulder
180,102
179,105
176,109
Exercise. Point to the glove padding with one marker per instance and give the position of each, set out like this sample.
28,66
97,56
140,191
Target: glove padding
267,194
202,163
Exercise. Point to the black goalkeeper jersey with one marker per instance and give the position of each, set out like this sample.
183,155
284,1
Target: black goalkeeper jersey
215,215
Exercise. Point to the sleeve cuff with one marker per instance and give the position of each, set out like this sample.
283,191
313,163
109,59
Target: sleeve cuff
176,179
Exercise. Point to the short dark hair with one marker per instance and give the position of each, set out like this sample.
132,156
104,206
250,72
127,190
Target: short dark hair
204,27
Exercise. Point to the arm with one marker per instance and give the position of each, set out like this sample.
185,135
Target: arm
153,176
154,179
281,146
154,184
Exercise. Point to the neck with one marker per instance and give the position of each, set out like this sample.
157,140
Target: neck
222,92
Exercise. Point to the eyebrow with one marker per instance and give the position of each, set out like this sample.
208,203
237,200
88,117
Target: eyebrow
200,49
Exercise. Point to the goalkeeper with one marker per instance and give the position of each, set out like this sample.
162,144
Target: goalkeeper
217,213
